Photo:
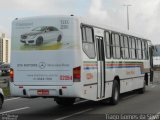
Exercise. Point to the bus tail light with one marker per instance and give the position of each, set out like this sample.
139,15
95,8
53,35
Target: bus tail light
12,75
77,74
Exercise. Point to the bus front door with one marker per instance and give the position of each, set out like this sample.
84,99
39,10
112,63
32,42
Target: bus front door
101,67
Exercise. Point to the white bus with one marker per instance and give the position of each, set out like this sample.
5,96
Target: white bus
90,61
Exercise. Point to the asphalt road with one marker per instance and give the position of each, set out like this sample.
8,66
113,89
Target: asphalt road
132,106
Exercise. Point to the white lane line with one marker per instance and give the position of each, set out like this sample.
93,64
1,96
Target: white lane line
81,101
12,99
14,110
61,118
155,117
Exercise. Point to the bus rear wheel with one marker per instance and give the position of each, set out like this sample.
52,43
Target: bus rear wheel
65,101
115,93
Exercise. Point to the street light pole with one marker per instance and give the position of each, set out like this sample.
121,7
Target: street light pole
127,15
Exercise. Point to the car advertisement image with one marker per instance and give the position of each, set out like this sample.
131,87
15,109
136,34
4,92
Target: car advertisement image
41,35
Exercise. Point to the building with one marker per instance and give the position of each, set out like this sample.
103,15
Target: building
5,47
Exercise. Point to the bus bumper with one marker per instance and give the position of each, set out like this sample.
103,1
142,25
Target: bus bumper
53,91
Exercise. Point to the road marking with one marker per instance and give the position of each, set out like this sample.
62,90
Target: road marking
155,117
12,99
80,102
61,118
15,110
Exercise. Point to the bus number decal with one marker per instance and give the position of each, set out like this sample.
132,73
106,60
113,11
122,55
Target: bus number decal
89,76
65,77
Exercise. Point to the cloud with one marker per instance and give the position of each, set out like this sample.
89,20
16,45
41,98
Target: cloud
96,9
11,9
101,12
144,16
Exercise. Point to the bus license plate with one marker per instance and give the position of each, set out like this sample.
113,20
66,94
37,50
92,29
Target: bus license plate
43,92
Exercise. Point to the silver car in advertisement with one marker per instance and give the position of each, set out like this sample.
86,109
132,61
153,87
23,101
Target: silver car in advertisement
40,35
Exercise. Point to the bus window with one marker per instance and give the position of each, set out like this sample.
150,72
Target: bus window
89,35
115,46
130,46
133,48
143,50
84,35
122,47
126,47
146,50
88,42
107,41
139,52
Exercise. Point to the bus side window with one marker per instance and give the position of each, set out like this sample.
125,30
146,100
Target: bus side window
122,47
133,48
117,46
88,42
146,50
126,47
84,34
139,52
113,46
143,50
130,46
107,41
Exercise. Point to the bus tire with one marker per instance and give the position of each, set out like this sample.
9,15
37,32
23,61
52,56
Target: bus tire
143,89
65,101
115,93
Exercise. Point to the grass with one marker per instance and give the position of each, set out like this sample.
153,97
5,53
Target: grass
6,91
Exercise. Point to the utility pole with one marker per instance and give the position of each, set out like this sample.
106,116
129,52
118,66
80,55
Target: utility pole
127,6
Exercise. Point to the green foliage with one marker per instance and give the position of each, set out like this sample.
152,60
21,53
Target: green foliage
6,91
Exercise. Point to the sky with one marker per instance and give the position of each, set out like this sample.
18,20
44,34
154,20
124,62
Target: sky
144,15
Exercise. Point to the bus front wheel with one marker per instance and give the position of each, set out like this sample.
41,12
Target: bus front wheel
65,101
115,93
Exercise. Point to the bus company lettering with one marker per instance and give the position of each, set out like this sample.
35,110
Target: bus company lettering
130,73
